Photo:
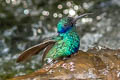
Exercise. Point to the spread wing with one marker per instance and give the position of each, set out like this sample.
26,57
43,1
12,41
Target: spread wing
35,50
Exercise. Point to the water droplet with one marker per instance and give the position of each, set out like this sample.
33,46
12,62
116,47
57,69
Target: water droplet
39,31
72,12
8,1
60,6
68,4
60,15
55,15
76,7
86,20
5,50
65,11
98,17
45,13
26,11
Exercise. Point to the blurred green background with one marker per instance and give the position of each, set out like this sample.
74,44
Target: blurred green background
24,23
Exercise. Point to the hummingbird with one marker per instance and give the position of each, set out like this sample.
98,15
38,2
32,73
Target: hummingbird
67,42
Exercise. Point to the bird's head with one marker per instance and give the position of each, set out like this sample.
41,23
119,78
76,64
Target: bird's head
67,23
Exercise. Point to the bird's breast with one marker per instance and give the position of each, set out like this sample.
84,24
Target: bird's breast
65,47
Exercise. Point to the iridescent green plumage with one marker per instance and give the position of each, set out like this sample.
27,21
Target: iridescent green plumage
69,41
66,43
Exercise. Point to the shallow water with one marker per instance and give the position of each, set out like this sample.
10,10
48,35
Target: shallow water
26,23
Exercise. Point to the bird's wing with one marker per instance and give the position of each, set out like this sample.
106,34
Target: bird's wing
34,50
46,51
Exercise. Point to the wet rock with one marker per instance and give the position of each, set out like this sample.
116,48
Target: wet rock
94,64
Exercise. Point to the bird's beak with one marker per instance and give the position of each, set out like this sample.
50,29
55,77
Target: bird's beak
75,19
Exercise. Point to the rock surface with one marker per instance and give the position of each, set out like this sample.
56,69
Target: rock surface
94,64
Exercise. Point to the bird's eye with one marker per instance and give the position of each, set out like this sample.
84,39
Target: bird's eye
65,24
